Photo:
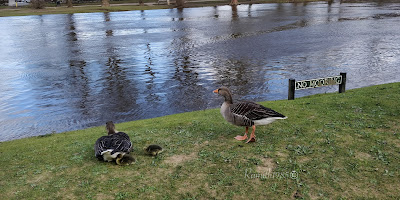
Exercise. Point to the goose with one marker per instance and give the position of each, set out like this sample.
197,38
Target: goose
153,149
246,113
115,146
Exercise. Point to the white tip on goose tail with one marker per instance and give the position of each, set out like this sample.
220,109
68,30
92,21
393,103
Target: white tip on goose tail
268,120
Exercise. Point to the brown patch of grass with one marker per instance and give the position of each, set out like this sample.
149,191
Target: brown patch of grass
281,155
212,192
179,159
313,196
64,193
37,178
354,190
304,159
198,183
103,196
396,143
267,166
394,125
345,140
362,156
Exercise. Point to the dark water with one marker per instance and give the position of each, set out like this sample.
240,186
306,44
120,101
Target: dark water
67,72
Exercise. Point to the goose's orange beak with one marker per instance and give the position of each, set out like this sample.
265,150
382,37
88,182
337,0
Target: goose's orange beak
216,91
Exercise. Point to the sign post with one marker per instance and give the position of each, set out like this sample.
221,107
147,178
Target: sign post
292,88
314,83
342,86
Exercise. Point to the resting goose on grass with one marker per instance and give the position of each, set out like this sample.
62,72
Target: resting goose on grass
246,114
115,146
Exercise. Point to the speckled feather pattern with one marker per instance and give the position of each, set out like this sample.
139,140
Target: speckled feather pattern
118,142
246,113
254,111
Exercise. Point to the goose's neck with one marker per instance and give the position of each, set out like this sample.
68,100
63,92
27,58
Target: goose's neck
228,99
112,131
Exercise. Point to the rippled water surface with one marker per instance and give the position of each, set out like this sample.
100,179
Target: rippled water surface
67,72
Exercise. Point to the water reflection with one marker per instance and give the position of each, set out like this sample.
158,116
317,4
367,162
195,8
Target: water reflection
80,70
151,88
107,19
185,79
235,15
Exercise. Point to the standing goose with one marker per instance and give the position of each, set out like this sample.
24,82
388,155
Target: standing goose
115,146
246,113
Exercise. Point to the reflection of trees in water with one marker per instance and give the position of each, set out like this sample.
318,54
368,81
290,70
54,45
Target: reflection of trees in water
235,74
79,84
235,15
107,19
44,38
216,13
71,28
249,80
117,96
116,86
143,14
249,12
235,26
188,84
151,90
78,81
186,78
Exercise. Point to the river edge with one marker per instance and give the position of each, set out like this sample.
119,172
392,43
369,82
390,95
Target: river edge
6,11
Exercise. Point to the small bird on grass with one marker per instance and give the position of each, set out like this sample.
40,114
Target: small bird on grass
153,149
124,159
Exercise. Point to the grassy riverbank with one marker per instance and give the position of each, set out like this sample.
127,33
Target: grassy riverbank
332,146
126,5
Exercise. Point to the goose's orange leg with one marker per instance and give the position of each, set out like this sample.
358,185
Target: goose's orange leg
252,135
244,136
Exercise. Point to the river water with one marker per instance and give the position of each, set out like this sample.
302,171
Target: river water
68,72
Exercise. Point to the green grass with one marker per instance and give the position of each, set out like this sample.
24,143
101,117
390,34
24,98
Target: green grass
336,146
95,7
